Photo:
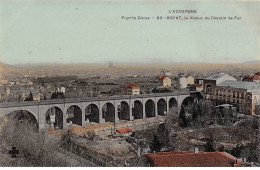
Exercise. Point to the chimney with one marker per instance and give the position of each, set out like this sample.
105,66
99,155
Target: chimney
196,150
244,159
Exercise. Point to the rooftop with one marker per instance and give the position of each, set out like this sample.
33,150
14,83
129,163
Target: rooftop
188,159
124,130
254,77
215,76
240,84
198,85
132,86
161,77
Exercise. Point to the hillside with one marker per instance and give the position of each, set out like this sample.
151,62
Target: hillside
4,68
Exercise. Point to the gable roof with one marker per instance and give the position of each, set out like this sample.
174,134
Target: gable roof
124,130
132,86
215,76
198,85
240,84
254,77
161,77
188,159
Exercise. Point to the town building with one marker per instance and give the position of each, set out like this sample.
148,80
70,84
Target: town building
245,95
8,91
165,81
210,83
199,87
198,83
194,159
190,80
132,89
185,81
224,89
61,89
124,131
254,78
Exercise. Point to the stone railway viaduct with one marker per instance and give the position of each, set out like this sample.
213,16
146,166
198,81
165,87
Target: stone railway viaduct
99,109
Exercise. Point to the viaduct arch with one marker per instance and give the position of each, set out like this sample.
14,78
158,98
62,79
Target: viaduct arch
98,110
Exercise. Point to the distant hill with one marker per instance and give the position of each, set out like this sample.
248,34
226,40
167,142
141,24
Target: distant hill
251,62
4,68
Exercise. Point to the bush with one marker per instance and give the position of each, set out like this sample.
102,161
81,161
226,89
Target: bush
29,98
209,146
67,139
155,145
35,147
57,95
182,118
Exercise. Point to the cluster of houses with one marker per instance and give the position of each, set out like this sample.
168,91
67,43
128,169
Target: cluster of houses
221,88
20,90
254,78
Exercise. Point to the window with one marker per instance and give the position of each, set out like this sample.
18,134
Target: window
248,100
255,100
209,89
242,95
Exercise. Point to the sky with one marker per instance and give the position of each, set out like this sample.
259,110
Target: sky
94,32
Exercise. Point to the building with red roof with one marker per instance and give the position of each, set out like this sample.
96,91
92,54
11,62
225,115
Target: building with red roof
254,78
132,89
161,77
190,159
165,81
198,87
124,130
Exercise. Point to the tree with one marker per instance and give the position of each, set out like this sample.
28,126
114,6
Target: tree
67,139
221,148
163,134
57,95
20,98
182,118
29,98
237,151
35,148
155,145
196,111
255,125
209,146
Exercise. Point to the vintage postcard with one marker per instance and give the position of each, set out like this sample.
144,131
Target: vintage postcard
147,83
